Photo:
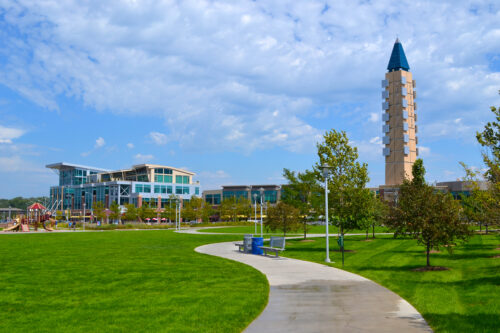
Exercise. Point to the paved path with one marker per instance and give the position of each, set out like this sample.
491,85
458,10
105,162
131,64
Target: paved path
309,297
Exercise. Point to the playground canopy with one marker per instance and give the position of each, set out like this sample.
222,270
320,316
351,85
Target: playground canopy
37,206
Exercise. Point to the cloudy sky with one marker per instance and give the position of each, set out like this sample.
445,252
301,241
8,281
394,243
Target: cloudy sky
234,90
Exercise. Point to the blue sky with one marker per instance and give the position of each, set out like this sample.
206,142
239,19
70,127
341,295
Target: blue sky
234,90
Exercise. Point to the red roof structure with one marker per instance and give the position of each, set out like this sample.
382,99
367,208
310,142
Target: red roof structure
37,206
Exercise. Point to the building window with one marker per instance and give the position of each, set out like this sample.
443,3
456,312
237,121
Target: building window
169,189
147,188
167,179
185,190
138,188
178,179
157,189
178,190
197,191
407,150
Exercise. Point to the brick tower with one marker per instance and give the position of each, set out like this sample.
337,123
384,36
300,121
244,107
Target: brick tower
400,141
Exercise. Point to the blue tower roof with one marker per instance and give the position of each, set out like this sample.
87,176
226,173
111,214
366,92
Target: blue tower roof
398,59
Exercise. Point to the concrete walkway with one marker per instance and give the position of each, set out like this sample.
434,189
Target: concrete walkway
309,297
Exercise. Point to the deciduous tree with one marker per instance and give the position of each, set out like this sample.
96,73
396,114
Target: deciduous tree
431,217
283,217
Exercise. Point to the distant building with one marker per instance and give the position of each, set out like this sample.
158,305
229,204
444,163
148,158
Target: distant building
272,193
143,183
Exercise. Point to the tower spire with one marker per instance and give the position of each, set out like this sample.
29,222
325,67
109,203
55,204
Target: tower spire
398,58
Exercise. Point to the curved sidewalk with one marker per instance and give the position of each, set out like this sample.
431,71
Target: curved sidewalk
309,297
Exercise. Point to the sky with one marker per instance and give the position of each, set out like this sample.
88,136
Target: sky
235,91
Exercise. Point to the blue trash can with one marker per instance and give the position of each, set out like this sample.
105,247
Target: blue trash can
256,242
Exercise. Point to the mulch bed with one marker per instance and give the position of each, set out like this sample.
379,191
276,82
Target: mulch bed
430,268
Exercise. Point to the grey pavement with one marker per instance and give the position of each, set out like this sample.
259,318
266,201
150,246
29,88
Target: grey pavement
310,297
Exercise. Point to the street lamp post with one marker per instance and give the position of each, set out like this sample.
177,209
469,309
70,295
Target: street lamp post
261,190
326,173
255,212
84,216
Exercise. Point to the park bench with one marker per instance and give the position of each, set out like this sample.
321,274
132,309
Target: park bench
276,245
246,246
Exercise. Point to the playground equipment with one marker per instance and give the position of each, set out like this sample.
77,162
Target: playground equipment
36,216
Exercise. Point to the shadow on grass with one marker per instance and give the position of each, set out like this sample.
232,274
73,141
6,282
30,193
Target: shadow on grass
458,322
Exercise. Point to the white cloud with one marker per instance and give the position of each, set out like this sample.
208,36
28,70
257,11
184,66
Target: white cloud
130,145
424,151
158,138
99,142
374,117
214,179
143,158
7,134
217,83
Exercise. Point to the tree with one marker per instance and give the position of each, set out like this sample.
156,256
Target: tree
347,179
489,138
98,209
283,217
431,217
244,208
228,209
304,193
130,212
145,211
115,212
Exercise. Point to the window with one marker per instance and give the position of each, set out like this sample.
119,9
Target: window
185,190
167,179
404,102
157,189
169,189
403,79
385,105
197,191
405,126
386,140
386,151
385,94
405,114
404,92
147,188
178,190
407,150
159,178
142,178
385,83
138,188
385,128
178,179
385,116
406,138
185,179
163,189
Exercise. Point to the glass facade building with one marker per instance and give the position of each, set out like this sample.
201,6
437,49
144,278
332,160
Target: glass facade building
271,194
144,183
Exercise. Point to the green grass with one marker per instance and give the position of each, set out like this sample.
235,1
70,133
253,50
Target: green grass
316,229
465,298
147,281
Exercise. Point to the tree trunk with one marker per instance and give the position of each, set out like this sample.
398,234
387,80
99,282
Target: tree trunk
480,227
305,229
373,230
367,229
428,253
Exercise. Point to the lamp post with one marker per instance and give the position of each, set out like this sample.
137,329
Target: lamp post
84,216
261,190
326,173
255,212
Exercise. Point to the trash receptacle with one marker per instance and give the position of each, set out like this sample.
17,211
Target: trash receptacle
247,244
256,242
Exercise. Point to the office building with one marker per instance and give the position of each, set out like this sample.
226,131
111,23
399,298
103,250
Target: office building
81,186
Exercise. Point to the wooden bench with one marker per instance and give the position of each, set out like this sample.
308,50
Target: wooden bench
276,245
246,246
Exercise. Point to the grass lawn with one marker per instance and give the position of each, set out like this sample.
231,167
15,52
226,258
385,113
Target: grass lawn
124,281
465,298
315,229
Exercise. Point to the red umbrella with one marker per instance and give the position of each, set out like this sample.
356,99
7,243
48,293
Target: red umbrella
37,206
163,219
147,219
